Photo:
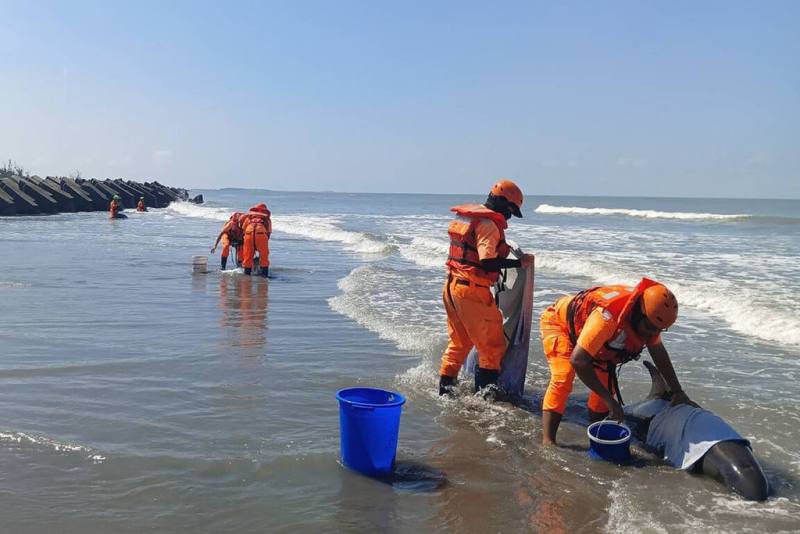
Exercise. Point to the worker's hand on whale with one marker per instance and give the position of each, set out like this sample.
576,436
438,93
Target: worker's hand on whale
615,412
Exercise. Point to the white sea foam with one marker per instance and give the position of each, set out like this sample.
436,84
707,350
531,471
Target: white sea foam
646,214
324,228
426,251
187,209
48,443
739,306
387,302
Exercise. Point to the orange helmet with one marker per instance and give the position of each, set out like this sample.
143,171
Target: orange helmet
660,306
509,191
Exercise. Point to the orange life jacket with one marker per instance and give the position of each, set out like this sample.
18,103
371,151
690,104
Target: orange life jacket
140,206
463,256
626,344
257,222
234,227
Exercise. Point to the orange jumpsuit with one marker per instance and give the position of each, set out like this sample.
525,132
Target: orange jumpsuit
140,206
257,229
601,327
232,236
473,319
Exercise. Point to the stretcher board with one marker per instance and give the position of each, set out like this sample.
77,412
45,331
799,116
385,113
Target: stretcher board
515,300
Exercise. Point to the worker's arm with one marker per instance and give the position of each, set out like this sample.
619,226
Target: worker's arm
664,365
582,362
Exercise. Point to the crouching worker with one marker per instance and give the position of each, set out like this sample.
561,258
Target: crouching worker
588,334
478,252
231,235
257,226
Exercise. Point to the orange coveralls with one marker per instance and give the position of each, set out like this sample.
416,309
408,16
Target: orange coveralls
473,318
600,327
257,230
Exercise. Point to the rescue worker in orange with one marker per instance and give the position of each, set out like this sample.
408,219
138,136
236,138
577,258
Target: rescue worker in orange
141,206
231,235
257,225
478,251
590,333
114,207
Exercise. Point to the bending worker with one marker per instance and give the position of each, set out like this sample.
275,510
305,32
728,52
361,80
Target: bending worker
257,226
478,252
588,334
231,235
140,206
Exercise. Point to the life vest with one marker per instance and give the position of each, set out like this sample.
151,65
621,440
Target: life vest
234,228
257,222
463,256
140,206
626,344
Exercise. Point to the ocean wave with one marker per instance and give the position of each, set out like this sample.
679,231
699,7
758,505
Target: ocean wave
645,214
187,209
388,303
742,312
324,228
426,251
51,444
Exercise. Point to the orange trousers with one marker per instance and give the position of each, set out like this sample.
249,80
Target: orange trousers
558,349
255,238
473,320
226,248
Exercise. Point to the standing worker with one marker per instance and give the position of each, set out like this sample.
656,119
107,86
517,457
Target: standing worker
478,251
257,226
141,206
231,235
114,207
592,332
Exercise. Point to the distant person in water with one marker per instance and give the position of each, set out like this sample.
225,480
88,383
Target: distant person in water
588,334
257,226
114,207
140,206
478,251
232,235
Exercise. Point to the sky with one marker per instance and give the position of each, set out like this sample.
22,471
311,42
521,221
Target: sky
658,98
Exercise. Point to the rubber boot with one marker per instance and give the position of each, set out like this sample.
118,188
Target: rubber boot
224,262
265,272
248,271
486,383
447,385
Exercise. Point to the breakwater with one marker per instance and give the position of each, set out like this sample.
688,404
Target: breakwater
32,195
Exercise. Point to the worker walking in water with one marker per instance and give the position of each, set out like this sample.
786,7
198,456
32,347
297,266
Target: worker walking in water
114,207
141,206
478,251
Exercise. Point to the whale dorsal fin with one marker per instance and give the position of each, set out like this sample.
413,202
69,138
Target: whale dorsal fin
658,389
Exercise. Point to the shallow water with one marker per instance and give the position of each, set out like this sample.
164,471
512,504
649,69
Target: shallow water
138,397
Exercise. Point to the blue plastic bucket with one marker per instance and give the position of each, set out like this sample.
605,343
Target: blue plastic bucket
369,422
609,440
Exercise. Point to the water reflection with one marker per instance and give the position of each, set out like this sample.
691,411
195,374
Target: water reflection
243,300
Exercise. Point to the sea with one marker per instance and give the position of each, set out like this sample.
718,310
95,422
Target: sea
137,396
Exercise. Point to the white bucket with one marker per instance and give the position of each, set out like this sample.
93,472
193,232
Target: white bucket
199,264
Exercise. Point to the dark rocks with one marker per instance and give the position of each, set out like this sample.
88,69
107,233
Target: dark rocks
31,195
197,200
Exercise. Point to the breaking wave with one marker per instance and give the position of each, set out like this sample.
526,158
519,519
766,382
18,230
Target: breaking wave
51,444
644,214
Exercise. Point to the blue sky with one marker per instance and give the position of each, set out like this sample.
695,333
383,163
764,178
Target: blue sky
584,98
